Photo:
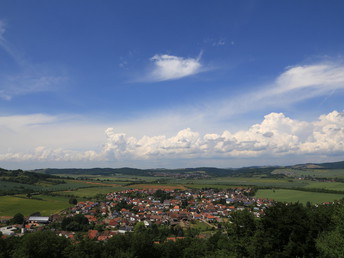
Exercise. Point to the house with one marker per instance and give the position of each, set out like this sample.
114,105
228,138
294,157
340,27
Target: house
175,208
125,229
8,231
39,219
92,234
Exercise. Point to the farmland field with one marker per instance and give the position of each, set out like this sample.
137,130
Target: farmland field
90,192
10,205
327,185
286,195
320,173
225,182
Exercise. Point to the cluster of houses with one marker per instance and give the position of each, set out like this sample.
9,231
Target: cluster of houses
122,210
143,205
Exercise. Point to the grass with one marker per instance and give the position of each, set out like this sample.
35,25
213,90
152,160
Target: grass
90,192
202,226
286,195
225,182
327,185
200,186
157,186
320,173
48,205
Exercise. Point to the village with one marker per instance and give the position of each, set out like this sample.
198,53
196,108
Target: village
119,212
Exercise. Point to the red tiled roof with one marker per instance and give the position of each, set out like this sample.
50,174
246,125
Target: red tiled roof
92,234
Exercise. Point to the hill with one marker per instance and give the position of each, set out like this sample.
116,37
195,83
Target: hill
199,171
327,165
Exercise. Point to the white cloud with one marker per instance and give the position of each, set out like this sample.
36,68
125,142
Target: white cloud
276,136
29,81
295,85
167,67
320,77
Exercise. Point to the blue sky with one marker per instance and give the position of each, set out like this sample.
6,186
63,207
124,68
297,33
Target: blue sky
170,83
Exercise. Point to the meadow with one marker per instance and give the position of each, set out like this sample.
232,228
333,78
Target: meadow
259,181
319,173
47,205
90,192
287,195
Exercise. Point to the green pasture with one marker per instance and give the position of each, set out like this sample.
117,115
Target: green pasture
319,173
115,178
200,186
327,185
6,186
244,181
91,191
200,225
10,205
288,195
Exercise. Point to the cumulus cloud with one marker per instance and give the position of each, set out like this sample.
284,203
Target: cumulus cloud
276,136
167,67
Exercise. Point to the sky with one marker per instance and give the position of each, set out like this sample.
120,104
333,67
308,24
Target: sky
170,84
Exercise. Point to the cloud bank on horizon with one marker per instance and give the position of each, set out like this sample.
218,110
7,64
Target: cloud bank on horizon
276,136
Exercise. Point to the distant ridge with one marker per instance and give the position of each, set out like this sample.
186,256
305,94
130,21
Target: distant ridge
211,171
333,165
327,165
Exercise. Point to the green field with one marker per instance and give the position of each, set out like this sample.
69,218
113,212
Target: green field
319,173
90,192
225,182
202,226
327,185
10,205
286,195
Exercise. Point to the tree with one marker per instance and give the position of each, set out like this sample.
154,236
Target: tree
85,248
77,223
331,243
241,231
18,219
42,244
73,201
117,246
286,231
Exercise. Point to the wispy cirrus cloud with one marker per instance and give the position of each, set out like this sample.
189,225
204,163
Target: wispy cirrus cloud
168,67
29,81
28,78
296,84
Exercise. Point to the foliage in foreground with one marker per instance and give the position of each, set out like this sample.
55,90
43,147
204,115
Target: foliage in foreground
287,230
